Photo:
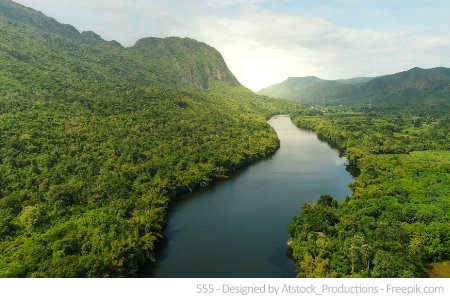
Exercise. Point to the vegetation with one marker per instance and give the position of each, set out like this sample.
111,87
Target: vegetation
97,139
398,216
415,88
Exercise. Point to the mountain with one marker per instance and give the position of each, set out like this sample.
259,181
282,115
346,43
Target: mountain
41,43
97,139
192,62
355,80
305,90
413,87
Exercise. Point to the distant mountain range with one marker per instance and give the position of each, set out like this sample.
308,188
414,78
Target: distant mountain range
414,86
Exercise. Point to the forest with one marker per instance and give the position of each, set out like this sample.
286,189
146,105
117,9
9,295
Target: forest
413,88
96,141
397,219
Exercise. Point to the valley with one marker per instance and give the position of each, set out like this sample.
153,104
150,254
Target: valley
153,160
237,228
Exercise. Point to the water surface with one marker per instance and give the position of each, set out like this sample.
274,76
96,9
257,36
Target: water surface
237,228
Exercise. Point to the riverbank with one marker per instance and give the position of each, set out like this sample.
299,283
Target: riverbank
237,228
396,219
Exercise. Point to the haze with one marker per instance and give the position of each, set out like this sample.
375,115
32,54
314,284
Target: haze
264,42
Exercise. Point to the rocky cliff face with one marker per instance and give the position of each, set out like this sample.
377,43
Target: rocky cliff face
196,63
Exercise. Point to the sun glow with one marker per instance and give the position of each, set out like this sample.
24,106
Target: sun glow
254,68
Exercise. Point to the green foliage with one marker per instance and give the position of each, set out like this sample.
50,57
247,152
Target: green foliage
398,216
96,140
414,88
109,167
31,217
39,55
327,200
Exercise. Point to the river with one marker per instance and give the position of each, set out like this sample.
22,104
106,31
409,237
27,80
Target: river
237,228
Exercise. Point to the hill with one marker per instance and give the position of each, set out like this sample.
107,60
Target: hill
97,139
305,90
36,44
414,87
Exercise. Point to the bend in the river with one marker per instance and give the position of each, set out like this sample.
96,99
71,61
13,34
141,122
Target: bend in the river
238,228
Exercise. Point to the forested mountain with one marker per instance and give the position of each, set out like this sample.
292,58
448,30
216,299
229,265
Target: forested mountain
52,54
96,139
355,80
304,90
413,87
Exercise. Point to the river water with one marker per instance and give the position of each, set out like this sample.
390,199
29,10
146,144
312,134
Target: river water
237,228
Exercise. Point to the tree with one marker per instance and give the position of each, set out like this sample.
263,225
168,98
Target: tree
327,200
353,247
31,217
367,252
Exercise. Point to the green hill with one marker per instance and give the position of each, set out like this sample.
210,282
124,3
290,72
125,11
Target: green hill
96,139
37,45
414,87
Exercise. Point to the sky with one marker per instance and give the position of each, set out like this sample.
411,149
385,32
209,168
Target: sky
265,41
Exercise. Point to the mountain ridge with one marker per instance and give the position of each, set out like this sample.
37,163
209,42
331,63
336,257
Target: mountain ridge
97,139
41,40
415,86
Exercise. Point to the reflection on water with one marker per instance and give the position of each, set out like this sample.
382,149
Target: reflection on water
237,228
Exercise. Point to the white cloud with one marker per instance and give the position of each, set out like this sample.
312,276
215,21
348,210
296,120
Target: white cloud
260,46
263,48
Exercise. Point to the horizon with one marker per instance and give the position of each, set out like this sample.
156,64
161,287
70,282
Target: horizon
264,42
151,161
371,77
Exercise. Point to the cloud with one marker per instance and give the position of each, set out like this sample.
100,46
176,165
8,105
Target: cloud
263,47
260,45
